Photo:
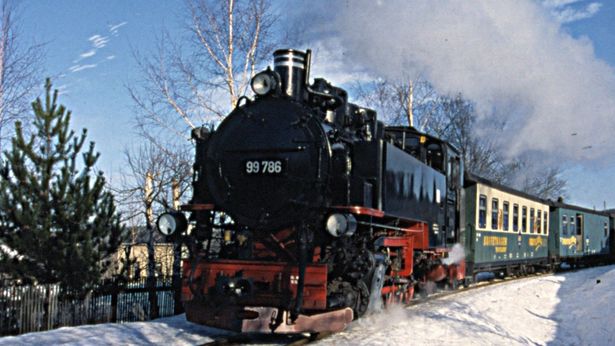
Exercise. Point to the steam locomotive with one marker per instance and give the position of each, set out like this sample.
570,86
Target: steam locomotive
307,212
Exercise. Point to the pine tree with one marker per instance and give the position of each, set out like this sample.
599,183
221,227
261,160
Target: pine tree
58,223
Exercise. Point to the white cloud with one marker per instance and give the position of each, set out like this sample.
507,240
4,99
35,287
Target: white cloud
567,11
115,27
510,57
87,54
98,41
77,68
558,3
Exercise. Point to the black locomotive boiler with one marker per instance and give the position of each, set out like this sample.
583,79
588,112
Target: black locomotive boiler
307,211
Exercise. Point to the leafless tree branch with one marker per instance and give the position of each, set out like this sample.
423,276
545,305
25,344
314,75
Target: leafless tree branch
20,70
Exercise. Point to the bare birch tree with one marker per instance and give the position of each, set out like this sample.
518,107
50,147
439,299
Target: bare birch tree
20,70
197,79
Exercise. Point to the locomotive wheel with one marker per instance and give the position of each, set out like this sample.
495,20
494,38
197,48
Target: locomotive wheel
362,301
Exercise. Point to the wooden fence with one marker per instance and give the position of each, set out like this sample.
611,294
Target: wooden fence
25,309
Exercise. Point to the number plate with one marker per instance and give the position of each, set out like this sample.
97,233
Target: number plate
264,167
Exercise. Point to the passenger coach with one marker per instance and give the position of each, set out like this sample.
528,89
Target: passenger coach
505,231
580,235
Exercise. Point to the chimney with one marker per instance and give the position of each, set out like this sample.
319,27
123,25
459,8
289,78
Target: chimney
293,67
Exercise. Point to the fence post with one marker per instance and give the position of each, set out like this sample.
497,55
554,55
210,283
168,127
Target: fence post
114,294
47,306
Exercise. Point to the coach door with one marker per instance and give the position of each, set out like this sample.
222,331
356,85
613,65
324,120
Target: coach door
580,232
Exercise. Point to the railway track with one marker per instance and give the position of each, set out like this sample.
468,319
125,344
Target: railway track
303,339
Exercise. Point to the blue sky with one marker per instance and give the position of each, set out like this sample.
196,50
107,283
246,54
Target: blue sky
89,54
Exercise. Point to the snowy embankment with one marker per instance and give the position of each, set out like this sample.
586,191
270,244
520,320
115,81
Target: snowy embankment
576,308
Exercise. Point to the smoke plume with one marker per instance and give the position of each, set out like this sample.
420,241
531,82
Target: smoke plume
512,58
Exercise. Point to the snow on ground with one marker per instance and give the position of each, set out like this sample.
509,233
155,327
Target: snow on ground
576,308
563,309
164,331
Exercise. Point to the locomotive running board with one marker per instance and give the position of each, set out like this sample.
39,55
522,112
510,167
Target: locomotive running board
332,321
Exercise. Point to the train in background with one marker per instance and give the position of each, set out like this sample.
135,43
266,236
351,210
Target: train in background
307,212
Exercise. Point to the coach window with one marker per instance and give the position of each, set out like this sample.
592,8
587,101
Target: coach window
538,221
515,217
544,223
572,227
531,220
505,211
482,212
494,213
524,220
606,229
564,225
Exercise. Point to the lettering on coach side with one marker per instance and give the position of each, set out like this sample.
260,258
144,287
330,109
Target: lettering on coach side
570,242
500,249
535,242
495,241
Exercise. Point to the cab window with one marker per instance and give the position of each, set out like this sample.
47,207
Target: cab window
564,225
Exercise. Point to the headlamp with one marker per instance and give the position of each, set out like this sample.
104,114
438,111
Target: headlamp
170,223
263,83
341,225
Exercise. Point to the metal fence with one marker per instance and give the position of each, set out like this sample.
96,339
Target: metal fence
25,309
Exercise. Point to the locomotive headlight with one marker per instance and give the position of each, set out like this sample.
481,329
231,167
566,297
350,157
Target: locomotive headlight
171,222
263,83
341,225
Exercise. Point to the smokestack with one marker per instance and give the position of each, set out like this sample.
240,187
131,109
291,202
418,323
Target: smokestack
292,66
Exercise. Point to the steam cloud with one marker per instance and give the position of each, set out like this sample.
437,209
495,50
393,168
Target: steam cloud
456,254
511,57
